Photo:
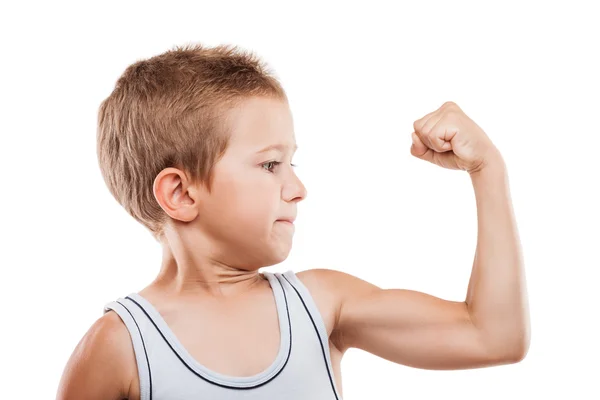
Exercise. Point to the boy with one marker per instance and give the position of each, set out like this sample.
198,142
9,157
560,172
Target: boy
196,144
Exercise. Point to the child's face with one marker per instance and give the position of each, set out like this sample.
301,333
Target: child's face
250,190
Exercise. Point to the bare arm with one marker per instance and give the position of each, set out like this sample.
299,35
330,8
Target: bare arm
492,325
100,366
497,293
416,329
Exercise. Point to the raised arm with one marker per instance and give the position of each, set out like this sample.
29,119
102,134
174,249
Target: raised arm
491,326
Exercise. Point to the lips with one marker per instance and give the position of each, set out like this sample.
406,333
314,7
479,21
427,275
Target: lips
288,220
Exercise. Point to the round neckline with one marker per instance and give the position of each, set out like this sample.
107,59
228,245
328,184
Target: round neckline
228,380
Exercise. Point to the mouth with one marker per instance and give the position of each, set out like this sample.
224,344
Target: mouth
287,221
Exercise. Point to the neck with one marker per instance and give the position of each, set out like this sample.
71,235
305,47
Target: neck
197,272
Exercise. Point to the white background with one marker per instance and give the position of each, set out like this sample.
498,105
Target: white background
358,76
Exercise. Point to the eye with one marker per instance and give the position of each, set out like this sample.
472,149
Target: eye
274,163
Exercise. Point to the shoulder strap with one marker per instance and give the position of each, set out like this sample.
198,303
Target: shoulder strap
316,318
308,302
120,306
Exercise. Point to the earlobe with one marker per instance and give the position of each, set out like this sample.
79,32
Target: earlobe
175,195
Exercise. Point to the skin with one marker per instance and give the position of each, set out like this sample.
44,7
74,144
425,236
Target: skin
216,242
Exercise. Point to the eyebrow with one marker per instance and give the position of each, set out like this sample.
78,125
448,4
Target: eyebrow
280,147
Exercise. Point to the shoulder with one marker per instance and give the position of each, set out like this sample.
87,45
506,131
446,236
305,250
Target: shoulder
321,283
103,363
338,283
332,290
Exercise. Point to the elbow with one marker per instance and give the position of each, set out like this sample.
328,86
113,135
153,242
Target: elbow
521,350
518,354
522,343
517,350
512,351
508,354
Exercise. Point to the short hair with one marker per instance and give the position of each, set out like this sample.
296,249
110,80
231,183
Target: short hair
168,111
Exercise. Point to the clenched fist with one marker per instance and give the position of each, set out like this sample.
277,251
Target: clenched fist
449,138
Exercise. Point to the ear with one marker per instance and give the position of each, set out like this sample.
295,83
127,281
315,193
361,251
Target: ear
175,194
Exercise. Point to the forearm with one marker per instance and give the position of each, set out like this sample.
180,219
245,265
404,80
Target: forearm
497,293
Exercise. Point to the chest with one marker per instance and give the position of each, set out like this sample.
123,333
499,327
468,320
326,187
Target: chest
238,341
242,341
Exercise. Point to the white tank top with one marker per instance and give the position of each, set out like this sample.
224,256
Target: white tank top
301,370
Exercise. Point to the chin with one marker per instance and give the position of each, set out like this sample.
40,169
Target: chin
280,255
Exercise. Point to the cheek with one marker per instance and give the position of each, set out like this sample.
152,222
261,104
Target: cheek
249,200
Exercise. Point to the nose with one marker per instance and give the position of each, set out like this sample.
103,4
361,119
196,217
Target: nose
294,189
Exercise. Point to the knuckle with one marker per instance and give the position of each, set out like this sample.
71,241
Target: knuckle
417,125
449,104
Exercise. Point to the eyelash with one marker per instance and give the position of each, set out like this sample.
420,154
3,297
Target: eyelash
276,164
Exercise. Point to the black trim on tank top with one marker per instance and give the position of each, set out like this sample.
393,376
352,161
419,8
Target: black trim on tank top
143,344
318,335
216,383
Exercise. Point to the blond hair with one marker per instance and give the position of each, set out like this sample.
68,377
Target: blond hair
168,111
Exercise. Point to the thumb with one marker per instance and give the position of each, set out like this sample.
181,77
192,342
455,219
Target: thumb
418,148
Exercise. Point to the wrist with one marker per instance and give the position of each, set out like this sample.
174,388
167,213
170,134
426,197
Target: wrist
492,165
